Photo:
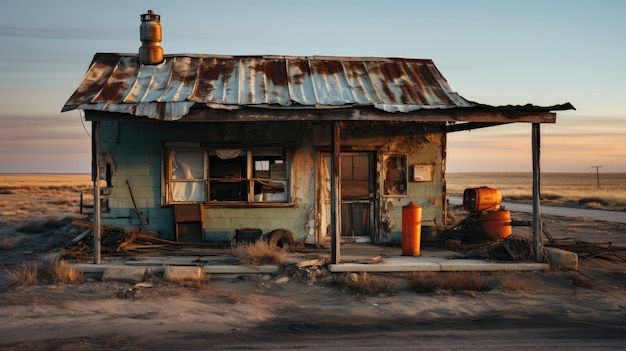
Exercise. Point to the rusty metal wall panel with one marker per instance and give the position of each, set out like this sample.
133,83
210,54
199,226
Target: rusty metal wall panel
114,80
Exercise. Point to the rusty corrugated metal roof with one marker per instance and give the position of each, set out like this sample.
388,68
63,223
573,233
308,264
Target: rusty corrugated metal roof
118,83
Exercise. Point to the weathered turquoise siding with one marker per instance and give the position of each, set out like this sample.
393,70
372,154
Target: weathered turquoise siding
134,151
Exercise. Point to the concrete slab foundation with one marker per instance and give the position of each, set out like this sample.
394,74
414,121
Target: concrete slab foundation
561,259
183,273
124,274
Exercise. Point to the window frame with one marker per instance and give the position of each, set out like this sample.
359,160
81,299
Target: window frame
252,180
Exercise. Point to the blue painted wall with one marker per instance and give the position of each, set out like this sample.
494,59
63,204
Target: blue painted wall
135,153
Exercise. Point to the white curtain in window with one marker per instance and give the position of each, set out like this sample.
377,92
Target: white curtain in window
226,154
188,176
188,191
187,165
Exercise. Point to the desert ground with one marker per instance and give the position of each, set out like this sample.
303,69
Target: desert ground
307,308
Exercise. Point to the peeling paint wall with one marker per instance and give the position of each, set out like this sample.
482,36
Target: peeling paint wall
422,144
135,152
137,149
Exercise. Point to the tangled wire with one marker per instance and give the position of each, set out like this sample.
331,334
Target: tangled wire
470,234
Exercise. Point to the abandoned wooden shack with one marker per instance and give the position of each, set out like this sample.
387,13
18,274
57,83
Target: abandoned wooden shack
207,147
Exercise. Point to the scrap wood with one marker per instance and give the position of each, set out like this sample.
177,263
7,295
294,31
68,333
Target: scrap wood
158,240
593,250
135,240
77,252
132,197
313,262
80,237
87,224
129,246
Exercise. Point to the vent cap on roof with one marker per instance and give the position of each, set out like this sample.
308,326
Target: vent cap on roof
150,52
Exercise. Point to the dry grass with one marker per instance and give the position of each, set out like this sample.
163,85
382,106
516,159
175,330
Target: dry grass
9,242
556,188
580,280
365,284
454,281
65,274
184,279
13,181
259,253
45,271
24,275
34,195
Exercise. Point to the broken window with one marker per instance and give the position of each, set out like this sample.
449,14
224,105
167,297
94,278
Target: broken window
228,175
270,175
215,175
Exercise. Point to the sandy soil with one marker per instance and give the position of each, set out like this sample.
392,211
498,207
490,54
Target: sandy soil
300,309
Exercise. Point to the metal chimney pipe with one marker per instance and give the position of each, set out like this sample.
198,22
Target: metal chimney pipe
150,52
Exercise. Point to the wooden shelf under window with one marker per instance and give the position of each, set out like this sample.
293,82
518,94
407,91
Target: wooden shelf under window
189,223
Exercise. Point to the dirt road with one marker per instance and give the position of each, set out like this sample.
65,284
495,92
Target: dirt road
256,313
596,215
547,310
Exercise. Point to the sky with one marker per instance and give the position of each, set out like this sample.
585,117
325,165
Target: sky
498,52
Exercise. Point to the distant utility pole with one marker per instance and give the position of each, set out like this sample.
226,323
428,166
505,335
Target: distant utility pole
597,174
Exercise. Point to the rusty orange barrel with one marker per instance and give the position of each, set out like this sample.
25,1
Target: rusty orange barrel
481,199
497,224
411,229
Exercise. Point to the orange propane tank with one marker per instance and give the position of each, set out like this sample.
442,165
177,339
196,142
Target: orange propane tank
411,229
497,224
481,199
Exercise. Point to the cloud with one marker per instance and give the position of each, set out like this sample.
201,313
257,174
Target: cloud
61,33
44,143
572,146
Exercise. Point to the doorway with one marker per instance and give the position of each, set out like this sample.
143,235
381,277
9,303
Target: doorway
357,195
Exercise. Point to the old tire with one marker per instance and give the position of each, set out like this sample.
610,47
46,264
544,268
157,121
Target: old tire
282,238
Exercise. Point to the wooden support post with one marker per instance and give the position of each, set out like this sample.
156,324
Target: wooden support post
335,194
95,177
537,225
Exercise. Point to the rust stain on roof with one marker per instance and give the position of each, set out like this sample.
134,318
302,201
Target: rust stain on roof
118,83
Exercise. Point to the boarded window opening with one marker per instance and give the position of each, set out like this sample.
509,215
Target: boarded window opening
395,175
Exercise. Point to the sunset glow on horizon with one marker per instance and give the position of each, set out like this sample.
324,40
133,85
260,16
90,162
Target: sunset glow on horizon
496,53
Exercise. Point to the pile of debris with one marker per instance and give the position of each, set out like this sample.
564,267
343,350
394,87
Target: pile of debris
112,240
469,235
587,249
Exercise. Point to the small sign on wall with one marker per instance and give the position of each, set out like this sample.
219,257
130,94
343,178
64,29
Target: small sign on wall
422,173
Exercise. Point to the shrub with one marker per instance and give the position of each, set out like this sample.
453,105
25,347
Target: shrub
39,226
581,280
10,242
364,283
45,271
550,196
7,191
593,200
24,274
259,252
454,281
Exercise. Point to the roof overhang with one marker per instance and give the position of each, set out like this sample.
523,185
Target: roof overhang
210,88
450,116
